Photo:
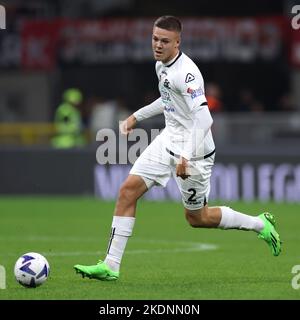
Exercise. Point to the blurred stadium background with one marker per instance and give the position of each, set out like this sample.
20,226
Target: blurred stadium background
249,56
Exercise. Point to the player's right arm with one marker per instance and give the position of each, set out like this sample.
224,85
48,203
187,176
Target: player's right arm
152,109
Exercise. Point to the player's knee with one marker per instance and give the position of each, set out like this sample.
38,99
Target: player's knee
196,218
193,223
127,192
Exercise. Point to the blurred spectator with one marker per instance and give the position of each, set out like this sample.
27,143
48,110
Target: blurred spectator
11,108
213,95
257,106
68,121
285,103
246,99
248,102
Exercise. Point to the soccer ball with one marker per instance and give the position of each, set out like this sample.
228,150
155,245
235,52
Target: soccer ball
32,269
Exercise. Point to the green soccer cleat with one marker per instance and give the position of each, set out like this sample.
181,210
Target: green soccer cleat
100,271
269,234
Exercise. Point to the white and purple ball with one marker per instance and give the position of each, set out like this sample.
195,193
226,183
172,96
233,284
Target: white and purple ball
32,269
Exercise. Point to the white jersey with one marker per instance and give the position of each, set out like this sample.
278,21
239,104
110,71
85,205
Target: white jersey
182,102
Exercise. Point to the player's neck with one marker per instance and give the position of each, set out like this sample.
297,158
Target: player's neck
171,60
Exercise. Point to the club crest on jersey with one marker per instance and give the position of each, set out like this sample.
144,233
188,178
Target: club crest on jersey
195,92
167,84
189,77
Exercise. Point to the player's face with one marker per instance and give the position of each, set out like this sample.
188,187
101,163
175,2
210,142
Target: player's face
165,44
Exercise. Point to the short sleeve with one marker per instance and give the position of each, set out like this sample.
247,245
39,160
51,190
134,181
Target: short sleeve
191,86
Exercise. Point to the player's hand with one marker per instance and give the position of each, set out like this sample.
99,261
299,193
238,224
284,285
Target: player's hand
127,125
181,168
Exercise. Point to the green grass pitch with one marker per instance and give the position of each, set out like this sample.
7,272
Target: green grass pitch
164,259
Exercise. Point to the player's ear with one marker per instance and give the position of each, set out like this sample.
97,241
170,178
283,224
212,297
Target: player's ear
178,42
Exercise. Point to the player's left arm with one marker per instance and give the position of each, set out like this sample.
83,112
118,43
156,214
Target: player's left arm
194,146
195,142
152,109
192,90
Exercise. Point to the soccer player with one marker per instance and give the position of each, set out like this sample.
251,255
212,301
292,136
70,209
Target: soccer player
184,149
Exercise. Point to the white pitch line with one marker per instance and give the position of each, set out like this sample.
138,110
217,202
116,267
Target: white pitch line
185,246
65,239
34,238
199,247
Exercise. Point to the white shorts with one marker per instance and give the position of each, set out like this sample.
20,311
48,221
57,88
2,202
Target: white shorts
156,166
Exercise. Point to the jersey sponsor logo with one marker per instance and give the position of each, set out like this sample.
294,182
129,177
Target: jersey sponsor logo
195,92
165,96
169,109
189,77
